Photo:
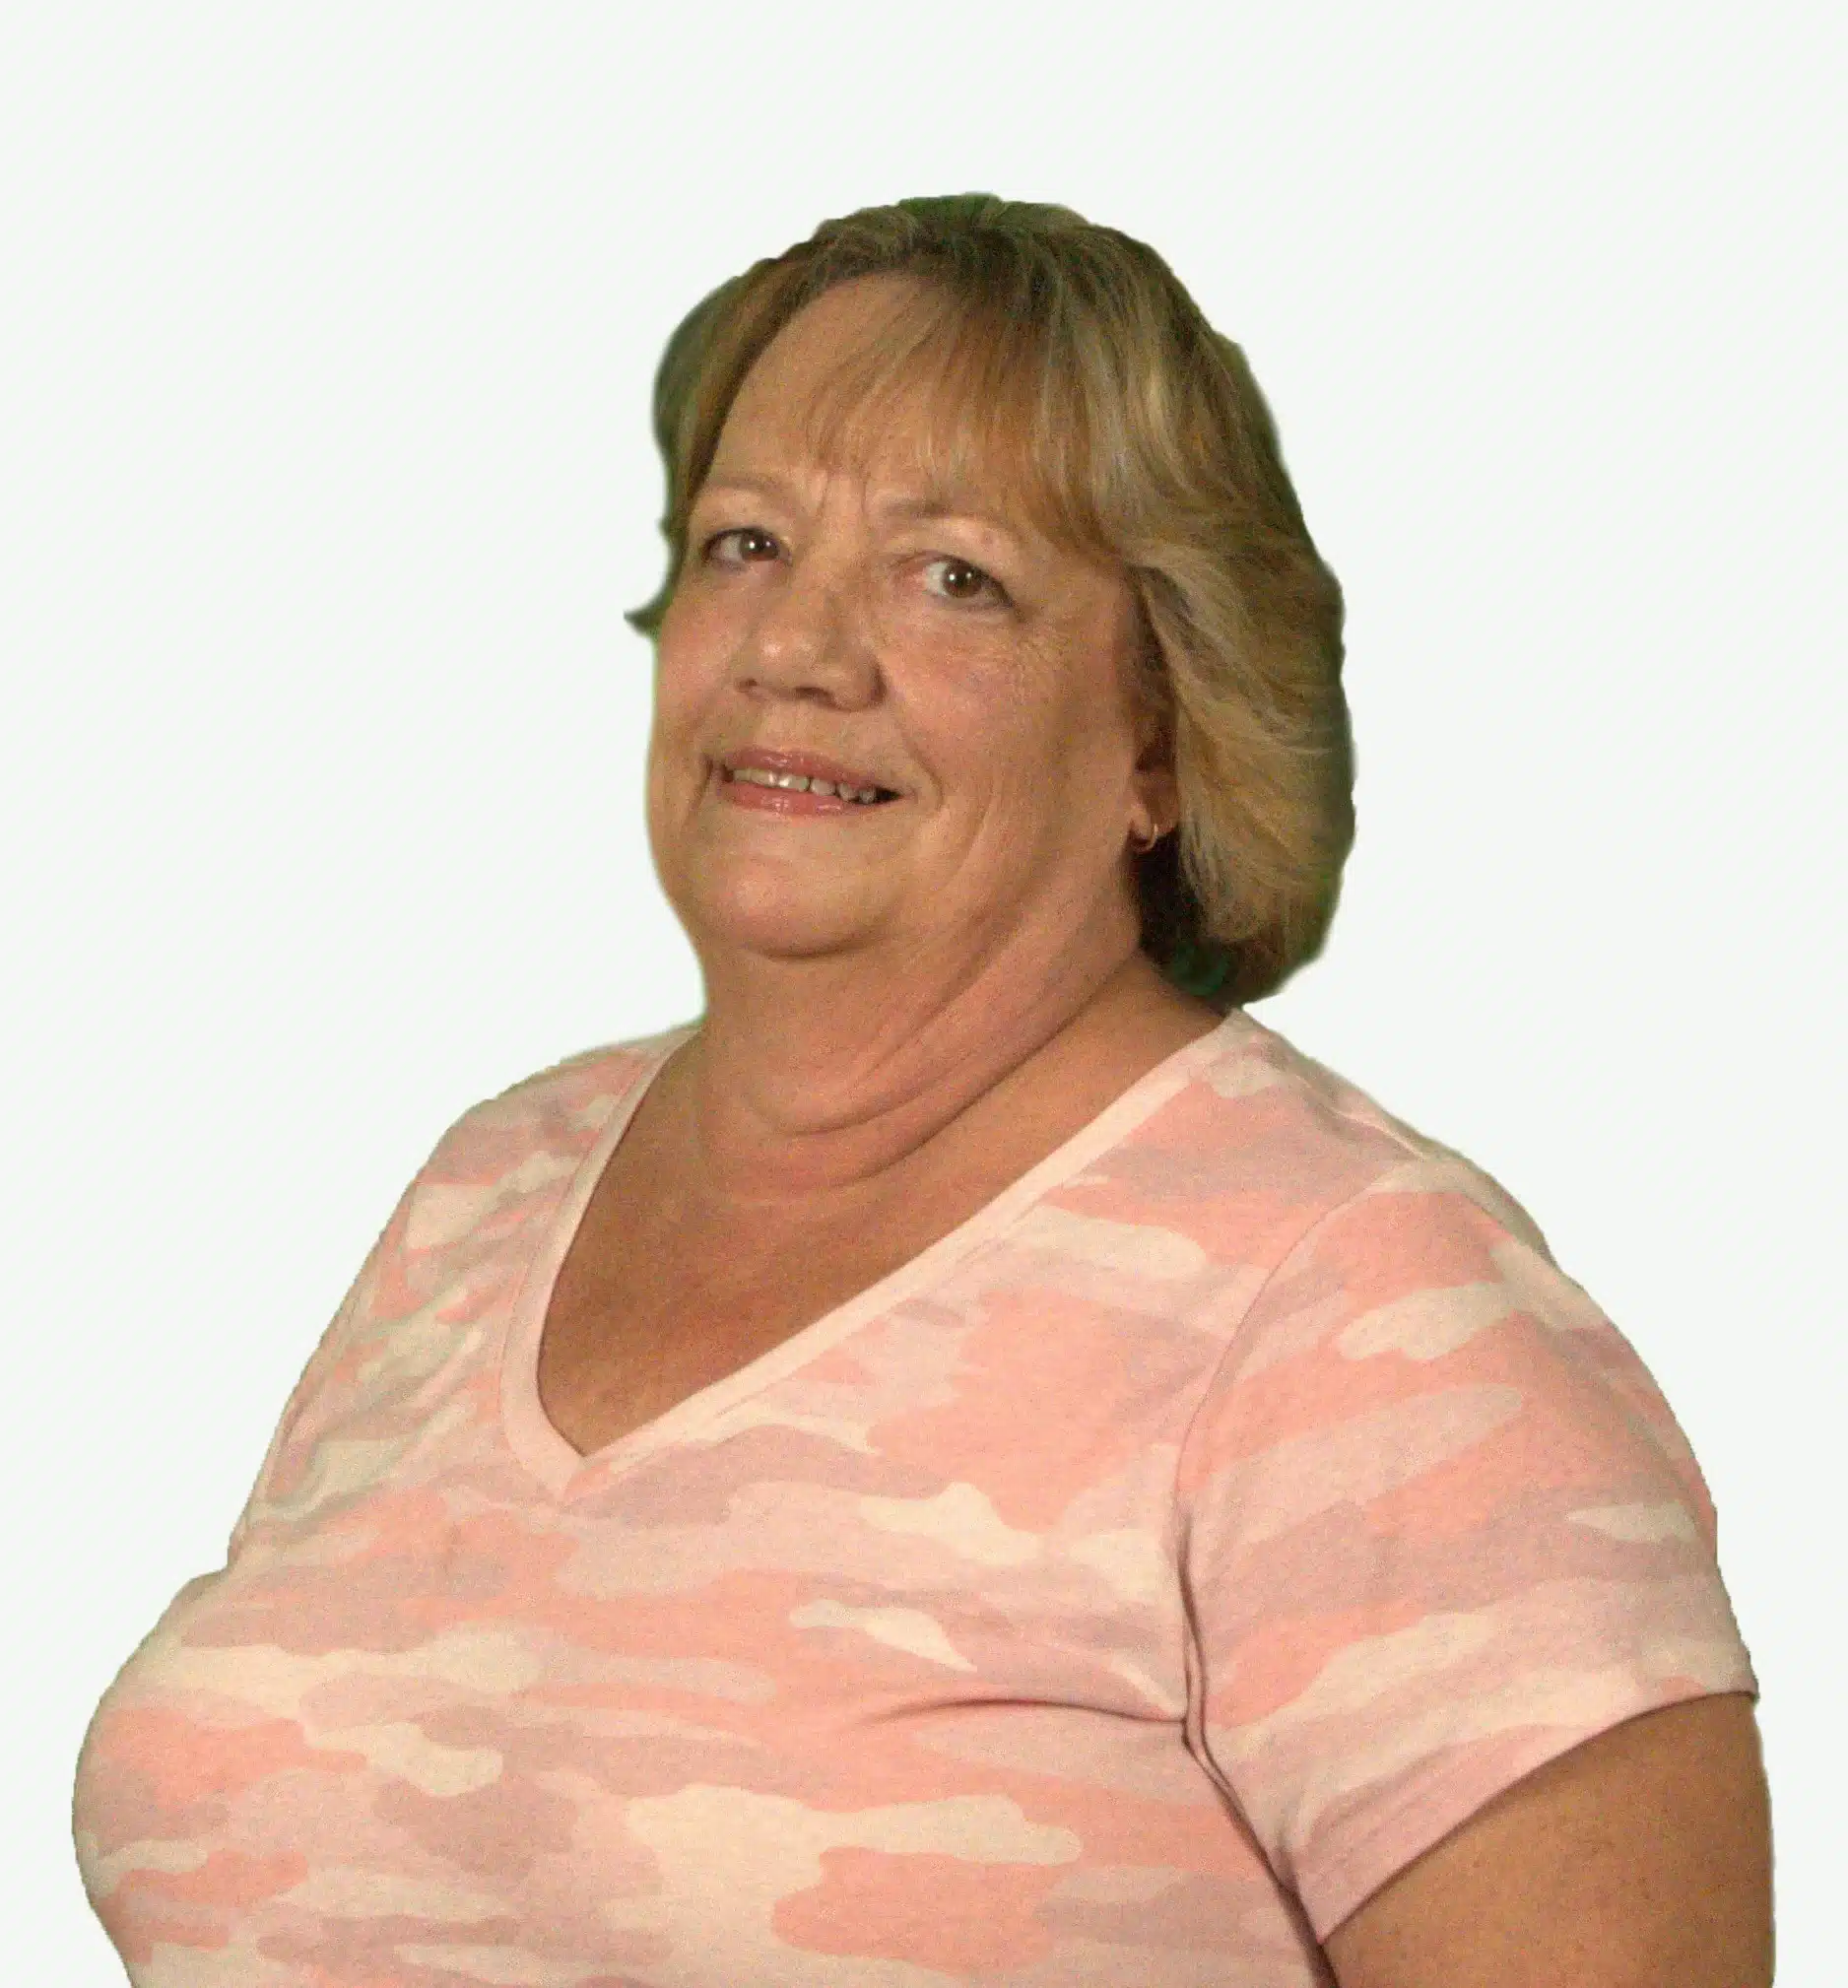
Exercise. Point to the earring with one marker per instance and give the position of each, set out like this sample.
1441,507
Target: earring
1141,843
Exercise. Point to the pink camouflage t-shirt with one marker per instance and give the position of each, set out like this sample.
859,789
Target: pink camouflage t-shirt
1120,1592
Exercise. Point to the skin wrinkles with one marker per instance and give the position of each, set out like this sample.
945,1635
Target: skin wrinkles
946,578
887,991
930,504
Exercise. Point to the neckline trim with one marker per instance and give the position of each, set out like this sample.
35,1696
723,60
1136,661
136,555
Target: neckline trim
567,1473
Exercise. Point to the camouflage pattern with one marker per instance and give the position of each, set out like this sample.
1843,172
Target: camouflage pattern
1118,1593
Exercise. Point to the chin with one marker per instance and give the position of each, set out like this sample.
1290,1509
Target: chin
772,924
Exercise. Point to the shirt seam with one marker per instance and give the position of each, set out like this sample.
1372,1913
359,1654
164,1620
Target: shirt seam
1235,1332
1193,1717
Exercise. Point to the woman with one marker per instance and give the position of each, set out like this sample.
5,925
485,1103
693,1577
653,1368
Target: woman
975,1461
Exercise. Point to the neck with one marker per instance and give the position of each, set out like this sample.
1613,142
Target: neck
822,1079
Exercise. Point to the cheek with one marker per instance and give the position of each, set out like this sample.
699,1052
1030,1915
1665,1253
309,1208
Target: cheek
971,684
686,678
1057,722
676,724
696,628
1017,727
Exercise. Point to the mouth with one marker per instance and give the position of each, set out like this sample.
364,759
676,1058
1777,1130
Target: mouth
839,785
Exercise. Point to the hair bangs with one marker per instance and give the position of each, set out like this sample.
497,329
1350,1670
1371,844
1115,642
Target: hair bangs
1003,422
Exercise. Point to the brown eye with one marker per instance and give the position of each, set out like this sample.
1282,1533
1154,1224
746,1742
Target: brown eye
748,543
960,580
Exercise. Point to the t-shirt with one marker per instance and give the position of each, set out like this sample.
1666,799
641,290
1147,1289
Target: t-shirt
1118,1592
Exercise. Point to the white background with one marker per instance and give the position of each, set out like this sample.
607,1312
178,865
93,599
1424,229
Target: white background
330,332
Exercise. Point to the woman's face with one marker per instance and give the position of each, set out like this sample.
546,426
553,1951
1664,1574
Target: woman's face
839,621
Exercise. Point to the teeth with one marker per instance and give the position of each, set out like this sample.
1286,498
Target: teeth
800,783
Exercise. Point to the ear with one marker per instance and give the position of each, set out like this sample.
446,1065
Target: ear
1157,786
1151,701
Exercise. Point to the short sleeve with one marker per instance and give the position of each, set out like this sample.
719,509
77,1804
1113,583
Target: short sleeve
1440,1526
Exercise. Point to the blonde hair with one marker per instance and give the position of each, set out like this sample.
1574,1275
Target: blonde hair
1070,355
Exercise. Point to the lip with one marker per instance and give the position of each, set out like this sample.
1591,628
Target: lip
803,765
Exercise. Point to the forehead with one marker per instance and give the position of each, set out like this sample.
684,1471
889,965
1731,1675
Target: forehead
895,383
859,338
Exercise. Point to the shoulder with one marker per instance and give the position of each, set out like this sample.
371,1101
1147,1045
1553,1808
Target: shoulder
1439,1523
1264,1147
565,1104
1396,1264
528,1139
1371,1261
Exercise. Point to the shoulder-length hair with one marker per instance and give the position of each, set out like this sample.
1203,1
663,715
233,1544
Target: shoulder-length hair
1069,358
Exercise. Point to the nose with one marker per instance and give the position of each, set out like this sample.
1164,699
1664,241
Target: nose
810,640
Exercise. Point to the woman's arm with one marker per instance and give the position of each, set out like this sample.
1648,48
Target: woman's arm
1640,1859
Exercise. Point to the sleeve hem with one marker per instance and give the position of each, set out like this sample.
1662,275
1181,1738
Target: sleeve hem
1334,1884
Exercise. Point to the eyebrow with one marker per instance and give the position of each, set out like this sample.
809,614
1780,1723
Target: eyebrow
924,508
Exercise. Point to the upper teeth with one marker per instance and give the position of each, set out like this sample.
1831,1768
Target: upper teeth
800,783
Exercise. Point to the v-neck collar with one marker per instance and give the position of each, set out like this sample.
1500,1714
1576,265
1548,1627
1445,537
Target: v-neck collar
569,1474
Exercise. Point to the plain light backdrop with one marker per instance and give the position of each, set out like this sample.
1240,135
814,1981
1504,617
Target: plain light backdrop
329,333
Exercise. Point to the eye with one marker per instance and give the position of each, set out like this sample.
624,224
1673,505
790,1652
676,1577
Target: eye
963,581
751,544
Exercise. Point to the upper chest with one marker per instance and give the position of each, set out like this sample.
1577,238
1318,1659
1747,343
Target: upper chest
662,1293
657,1300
